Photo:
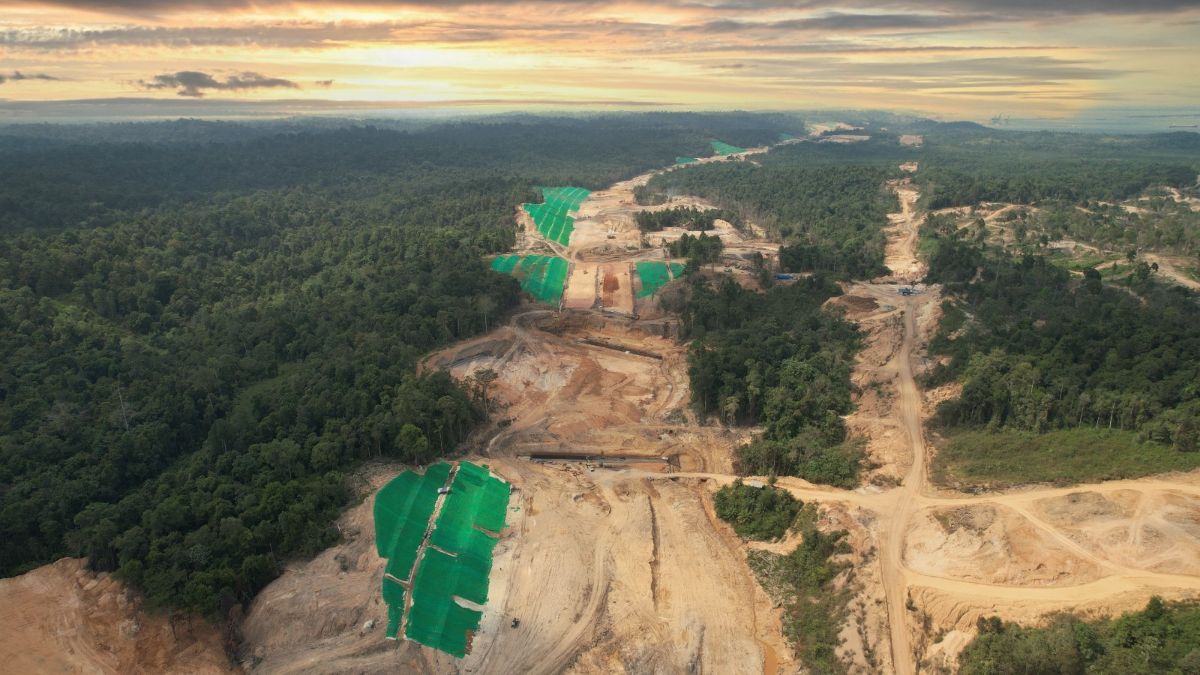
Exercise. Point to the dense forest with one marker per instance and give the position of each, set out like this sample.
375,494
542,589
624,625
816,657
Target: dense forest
777,360
201,339
1161,638
1038,349
827,202
981,165
699,250
687,217
56,183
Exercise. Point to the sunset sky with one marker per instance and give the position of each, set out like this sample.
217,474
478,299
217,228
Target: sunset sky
965,58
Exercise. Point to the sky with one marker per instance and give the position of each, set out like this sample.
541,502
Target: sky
961,59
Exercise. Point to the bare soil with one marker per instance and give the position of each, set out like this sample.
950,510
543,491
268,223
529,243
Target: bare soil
62,618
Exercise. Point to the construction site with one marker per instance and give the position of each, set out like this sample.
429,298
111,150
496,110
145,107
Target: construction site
580,534
615,475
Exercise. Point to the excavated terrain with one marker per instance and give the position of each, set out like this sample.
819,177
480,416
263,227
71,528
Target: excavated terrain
613,560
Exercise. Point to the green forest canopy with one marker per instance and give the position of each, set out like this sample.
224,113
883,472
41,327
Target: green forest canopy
200,339
777,360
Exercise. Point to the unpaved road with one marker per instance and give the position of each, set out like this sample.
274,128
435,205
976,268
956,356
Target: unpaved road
607,575
628,570
1170,266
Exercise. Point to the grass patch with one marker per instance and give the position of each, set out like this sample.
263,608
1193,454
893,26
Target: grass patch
926,247
974,459
1079,263
757,512
803,583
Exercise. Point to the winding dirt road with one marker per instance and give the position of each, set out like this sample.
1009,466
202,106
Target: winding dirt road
1158,535
1121,584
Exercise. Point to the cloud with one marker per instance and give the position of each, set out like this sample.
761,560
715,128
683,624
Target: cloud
307,35
194,83
840,21
17,76
1010,8
1014,9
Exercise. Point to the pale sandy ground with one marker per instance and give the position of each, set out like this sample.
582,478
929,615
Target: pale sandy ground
61,618
1172,268
582,286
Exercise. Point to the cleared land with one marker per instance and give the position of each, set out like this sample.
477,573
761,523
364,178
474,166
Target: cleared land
627,569
62,618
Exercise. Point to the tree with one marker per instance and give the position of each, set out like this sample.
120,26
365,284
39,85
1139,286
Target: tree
483,379
1187,435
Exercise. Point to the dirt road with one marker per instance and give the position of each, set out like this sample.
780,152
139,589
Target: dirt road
1172,267
944,558
626,569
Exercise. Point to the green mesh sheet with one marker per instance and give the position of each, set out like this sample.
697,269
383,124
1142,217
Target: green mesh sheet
477,501
393,595
676,270
435,620
654,275
722,148
506,263
550,217
403,508
490,493
685,160
542,276
458,560
463,576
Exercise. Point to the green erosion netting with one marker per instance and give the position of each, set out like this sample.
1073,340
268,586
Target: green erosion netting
542,276
460,569
393,595
551,217
435,620
654,275
505,263
403,508
460,576
676,270
722,148
476,500
685,160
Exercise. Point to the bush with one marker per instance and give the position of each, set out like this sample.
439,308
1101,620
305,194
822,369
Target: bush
757,513
1162,638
